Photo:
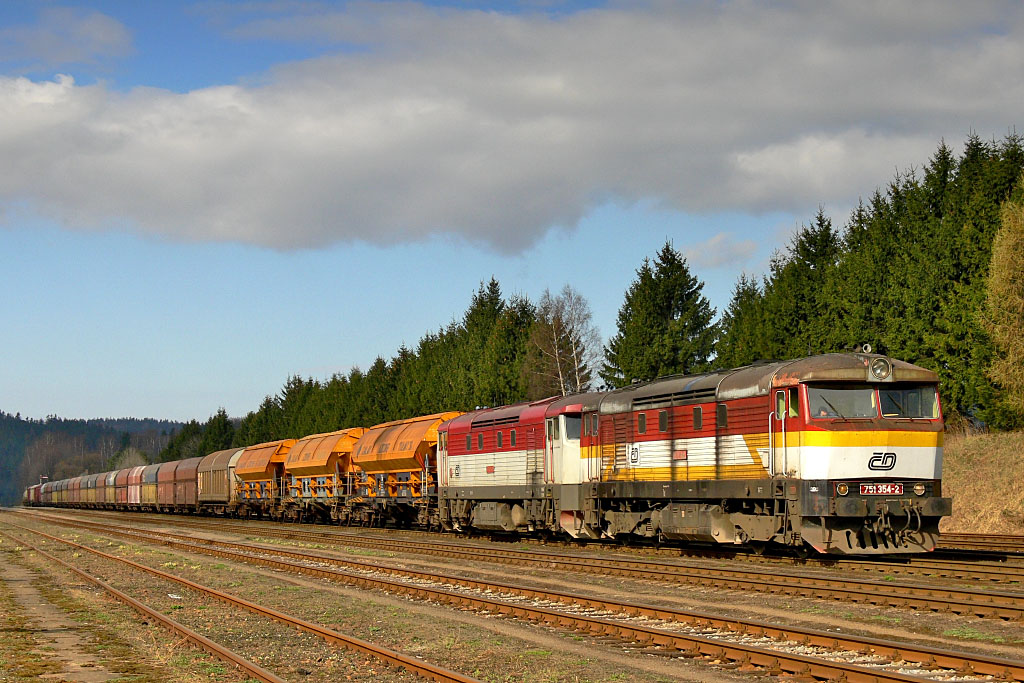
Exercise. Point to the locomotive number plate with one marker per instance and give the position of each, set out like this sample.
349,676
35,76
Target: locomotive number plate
883,489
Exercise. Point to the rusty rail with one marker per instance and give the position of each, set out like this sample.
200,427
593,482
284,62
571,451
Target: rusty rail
197,639
391,657
1004,669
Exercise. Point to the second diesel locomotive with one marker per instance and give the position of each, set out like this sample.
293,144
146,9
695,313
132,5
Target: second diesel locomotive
841,453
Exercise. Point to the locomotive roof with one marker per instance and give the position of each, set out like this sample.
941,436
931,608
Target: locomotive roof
756,380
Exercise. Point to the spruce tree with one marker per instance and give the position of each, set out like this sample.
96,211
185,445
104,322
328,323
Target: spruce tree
664,326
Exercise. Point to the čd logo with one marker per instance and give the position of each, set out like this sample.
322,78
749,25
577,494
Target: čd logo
882,462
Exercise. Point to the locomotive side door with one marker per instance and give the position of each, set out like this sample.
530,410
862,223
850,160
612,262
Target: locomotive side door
784,434
552,450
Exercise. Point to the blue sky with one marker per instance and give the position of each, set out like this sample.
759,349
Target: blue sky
198,200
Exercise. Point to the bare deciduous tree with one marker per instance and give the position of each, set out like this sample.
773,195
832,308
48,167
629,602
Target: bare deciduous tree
564,345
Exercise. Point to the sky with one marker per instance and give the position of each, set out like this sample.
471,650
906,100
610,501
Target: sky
198,200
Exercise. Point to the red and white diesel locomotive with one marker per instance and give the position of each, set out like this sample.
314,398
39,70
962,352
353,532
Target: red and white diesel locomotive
839,452
842,452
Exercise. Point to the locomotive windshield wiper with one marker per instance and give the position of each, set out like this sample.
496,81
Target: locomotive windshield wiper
836,410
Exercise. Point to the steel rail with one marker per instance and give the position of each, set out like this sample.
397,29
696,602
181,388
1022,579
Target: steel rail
391,657
219,651
980,603
913,565
1006,543
1004,669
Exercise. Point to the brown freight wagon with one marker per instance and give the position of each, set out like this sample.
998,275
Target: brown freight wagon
218,493
121,489
135,487
185,485
165,486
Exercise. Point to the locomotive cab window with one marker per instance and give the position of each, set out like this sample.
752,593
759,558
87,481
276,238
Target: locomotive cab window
842,401
572,427
794,402
910,402
780,405
594,425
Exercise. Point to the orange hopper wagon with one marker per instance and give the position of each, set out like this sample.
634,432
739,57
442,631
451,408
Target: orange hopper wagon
318,475
399,471
261,469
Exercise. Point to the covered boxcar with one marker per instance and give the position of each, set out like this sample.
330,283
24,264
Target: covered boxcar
135,487
110,490
185,485
150,500
121,489
165,486
217,490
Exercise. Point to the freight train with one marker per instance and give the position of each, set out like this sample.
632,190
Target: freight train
839,453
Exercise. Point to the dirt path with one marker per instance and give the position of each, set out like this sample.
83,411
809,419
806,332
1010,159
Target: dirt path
59,636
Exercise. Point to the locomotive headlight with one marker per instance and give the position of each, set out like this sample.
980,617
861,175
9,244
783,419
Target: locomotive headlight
919,489
842,489
880,368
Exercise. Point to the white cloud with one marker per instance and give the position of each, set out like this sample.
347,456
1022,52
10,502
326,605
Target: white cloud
494,127
720,250
65,35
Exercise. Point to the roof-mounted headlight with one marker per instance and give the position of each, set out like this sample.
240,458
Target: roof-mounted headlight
881,368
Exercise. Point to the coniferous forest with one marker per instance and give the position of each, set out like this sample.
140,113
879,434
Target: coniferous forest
927,269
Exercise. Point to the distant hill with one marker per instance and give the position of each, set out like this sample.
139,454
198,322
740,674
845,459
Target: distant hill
58,448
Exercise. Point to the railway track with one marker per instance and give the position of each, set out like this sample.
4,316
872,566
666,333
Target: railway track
1003,543
986,569
389,657
968,601
224,654
591,615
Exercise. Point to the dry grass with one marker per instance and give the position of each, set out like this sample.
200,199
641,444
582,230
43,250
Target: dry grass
984,473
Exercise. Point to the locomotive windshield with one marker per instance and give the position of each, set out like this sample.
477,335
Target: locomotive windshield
920,401
842,401
853,401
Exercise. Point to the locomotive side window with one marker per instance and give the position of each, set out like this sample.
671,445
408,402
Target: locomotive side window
641,423
469,443
499,439
663,421
722,416
480,441
698,418
512,438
